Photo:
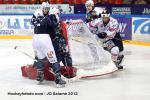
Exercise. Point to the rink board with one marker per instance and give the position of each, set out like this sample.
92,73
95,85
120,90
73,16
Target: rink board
30,37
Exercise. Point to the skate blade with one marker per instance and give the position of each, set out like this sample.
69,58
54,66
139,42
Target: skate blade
120,68
40,83
60,86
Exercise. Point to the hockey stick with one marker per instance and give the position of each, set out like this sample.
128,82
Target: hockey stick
16,48
36,60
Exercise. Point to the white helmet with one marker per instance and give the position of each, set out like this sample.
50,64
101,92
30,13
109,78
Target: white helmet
45,5
105,13
98,10
89,2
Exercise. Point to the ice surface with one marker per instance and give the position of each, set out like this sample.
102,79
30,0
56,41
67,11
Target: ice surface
133,83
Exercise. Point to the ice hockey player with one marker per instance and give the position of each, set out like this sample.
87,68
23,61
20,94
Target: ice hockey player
107,31
91,11
45,25
59,42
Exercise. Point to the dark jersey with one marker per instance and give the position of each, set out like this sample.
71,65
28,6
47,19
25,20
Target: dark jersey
44,24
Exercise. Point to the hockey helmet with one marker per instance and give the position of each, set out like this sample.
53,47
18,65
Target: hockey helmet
45,5
89,3
105,13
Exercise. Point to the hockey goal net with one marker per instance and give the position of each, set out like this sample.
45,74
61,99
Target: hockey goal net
86,51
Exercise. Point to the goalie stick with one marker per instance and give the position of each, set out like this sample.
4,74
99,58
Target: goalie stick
81,73
16,48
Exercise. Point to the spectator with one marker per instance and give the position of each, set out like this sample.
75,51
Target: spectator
140,2
42,1
127,1
68,1
7,1
60,1
25,1
105,2
52,1
77,1
83,1
99,1
17,2
1,1
33,1
117,2
36,1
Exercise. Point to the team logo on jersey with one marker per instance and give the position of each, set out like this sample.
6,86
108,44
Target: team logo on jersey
50,54
141,26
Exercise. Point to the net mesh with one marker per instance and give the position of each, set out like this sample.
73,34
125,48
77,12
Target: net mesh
86,51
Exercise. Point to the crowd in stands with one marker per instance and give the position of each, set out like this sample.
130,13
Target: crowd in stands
75,1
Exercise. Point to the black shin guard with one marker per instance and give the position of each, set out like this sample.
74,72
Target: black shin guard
120,58
40,75
40,69
56,69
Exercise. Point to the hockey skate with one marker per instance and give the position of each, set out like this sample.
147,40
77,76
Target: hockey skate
118,65
40,77
120,59
60,83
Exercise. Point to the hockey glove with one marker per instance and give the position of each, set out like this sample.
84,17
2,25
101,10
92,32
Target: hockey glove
102,35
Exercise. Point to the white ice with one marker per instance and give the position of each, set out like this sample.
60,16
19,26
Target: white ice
133,83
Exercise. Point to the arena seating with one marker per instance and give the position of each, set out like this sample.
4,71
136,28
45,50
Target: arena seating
7,1
26,1
40,1
74,1
17,2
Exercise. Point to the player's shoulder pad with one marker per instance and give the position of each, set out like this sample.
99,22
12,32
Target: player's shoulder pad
52,17
113,21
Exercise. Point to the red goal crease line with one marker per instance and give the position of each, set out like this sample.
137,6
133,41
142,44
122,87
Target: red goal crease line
30,37
103,74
